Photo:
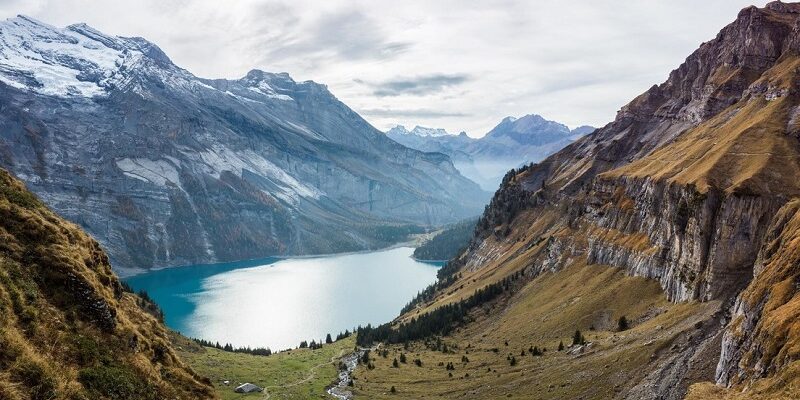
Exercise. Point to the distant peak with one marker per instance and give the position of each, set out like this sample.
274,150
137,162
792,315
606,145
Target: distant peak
433,132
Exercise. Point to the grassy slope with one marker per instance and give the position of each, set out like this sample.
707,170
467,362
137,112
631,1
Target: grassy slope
296,374
67,329
744,149
541,315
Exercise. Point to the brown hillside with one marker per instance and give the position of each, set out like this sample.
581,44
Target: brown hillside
68,329
690,187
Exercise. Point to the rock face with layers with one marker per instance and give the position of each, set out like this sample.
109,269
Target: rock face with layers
692,185
165,168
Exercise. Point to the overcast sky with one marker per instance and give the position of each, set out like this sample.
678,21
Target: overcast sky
458,65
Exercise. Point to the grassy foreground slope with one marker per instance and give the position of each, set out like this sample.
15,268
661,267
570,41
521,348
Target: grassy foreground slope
492,358
294,374
68,329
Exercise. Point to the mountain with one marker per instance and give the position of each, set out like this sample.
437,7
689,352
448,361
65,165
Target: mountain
512,143
165,168
656,257
417,131
68,328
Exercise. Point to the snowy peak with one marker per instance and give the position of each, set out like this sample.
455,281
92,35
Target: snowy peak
76,61
398,130
528,124
420,131
430,132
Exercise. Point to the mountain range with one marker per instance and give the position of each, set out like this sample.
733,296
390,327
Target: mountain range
165,168
512,143
654,258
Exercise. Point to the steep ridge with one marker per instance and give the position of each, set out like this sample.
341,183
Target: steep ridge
692,186
68,328
166,168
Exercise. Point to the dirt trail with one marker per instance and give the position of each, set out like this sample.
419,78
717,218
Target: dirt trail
312,374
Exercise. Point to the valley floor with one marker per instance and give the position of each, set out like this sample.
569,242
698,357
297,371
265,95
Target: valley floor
295,374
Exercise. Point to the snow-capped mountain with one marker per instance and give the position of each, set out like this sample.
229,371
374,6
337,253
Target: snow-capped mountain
420,131
512,143
165,168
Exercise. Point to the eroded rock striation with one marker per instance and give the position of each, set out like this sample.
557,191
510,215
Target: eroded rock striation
165,168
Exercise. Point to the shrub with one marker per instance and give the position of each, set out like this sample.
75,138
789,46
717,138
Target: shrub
40,382
622,324
116,382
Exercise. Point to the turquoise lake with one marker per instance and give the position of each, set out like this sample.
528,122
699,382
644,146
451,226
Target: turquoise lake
277,302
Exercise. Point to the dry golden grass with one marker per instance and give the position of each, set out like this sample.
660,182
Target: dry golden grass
67,328
744,149
545,312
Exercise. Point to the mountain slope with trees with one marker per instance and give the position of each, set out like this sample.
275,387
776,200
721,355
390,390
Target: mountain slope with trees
448,243
693,189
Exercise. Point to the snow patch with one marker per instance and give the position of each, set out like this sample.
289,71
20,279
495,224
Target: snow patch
76,61
219,159
159,172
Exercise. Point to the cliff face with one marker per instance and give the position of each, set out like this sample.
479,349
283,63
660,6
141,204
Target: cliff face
761,339
691,185
68,328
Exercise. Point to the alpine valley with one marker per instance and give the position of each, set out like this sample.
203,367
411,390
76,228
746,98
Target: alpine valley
656,257
512,143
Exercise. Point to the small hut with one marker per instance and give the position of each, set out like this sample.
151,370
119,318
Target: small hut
247,388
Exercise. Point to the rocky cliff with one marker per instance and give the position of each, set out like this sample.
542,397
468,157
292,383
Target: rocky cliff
68,328
165,168
691,185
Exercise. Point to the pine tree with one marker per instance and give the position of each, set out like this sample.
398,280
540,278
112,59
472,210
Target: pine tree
561,346
328,339
577,338
393,390
395,364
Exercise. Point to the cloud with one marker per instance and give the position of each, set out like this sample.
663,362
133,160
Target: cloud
418,86
420,62
332,37
410,113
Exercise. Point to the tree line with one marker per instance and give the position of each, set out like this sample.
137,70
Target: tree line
447,244
440,321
